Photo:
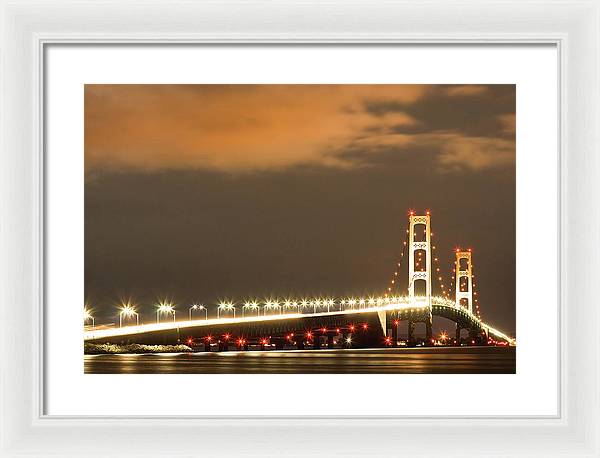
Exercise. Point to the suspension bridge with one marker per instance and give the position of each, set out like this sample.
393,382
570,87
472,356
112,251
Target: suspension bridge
326,322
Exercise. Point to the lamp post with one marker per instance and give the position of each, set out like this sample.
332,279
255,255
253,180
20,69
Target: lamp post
250,306
198,307
164,307
225,306
87,316
128,311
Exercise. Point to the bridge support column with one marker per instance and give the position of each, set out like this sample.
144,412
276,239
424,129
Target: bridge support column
316,342
394,335
411,332
330,340
458,335
300,344
206,346
429,331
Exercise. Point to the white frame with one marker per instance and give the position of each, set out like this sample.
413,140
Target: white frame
28,26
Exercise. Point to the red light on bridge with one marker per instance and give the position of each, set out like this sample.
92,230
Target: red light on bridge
190,341
323,329
264,341
337,330
309,335
428,213
365,326
388,340
352,327
208,338
396,322
411,212
226,336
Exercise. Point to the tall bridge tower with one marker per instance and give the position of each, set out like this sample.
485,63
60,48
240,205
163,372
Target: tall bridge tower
419,259
419,271
464,280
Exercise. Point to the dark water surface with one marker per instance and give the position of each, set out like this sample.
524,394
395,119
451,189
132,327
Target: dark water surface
446,360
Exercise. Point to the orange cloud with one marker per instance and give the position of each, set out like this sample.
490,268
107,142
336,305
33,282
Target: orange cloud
229,128
248,128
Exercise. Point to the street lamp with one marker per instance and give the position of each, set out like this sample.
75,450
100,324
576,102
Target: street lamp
316,303
128,311
330,303
250,306
164,307
225,306
87,316
198,307
303,303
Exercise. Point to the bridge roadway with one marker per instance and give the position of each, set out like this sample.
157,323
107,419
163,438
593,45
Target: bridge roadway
366,327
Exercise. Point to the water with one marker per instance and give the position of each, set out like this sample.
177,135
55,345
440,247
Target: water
439,360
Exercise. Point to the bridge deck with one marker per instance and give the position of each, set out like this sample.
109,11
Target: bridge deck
128,331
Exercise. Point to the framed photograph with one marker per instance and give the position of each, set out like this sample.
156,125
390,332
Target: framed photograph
294,228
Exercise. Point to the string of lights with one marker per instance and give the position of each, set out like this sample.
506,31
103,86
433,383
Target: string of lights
438,270
475,298
393,286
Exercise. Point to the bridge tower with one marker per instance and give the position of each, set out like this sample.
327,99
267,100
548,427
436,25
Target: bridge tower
419,269
464,277
419,249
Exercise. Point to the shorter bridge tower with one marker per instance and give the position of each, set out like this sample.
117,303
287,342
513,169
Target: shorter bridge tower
464,280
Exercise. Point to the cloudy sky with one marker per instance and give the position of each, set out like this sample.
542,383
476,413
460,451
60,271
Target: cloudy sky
202,192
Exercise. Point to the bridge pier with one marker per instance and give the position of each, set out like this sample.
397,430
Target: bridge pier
394,335
429,331
316,342
330,340
206,346
458,335
300,344
411,333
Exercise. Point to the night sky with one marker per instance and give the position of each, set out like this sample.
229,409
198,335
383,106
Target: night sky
197,193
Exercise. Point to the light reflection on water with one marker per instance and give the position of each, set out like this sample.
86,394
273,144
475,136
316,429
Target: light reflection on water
492,360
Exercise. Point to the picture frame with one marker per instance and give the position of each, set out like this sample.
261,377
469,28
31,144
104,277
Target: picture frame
27,27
